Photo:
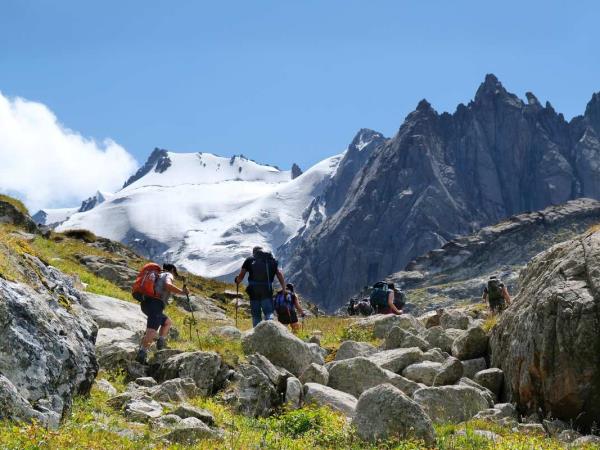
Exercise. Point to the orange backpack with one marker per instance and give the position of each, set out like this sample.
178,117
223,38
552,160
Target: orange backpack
145,281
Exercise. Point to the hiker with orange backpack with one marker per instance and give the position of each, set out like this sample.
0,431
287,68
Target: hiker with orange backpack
153,288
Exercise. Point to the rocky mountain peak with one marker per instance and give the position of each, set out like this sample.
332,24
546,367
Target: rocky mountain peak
363,138
592,111
158,160
490,89
296,171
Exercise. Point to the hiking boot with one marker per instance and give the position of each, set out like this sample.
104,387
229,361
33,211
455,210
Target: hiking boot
141,356
161,344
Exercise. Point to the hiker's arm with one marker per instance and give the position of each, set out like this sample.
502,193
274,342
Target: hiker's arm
279,274
175,290
241,276
506,295
298,305
391,304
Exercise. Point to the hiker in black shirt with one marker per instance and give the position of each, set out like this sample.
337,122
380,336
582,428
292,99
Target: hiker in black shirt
262,269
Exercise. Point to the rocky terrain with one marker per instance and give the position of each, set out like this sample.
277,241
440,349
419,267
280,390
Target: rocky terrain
457,271
456,378
445,175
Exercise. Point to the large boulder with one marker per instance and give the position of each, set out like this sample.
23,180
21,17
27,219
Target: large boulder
315,374
115,347
438,338
281,347
473,343
384,412
453,404
423,372
46,342
472,366
203,367
204,308
327,396
547,342
381,324
253,395
397,359
352,349
116,271
110,312
12,213
14,407
450,372
276,375
399,338
294,392
454,318
491,379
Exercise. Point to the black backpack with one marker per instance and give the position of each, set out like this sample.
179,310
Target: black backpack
379,295
263,270
494,288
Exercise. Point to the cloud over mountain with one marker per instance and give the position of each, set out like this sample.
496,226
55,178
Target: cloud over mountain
46,164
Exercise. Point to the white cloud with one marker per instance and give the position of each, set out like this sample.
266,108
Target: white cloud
48,165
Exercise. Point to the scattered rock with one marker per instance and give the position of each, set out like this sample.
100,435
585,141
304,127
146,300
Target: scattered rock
473,343
491,379
114,270
449,373
327,396
166,421
145,382
192,430
431,319
453,404
383,412
472,366
586,440
531,428
227,332
279,346
381,324
105,386
202,367
356,375
398,359
112,313
175,390
13,406
315,374
135,370
568,436
352,349
399,338
293,393
142,409
423,372
438,338
184,411
453,318
484,391
277,375
204,308
115,347
435,355
254,395
489,435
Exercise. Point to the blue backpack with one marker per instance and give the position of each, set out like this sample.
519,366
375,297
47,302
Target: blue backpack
283,304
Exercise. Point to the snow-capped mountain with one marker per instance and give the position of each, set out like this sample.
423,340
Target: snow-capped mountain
202,211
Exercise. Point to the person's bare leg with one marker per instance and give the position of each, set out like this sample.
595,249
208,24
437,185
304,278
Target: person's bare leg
164,329
295,327
148,338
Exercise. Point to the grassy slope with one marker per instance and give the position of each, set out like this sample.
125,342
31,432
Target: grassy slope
94,425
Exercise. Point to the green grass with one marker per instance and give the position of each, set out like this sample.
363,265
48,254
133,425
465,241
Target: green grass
14,202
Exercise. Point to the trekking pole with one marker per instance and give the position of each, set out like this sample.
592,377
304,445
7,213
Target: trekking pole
237,302
193,321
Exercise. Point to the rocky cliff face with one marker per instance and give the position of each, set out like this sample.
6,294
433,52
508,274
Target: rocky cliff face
445,175
459,269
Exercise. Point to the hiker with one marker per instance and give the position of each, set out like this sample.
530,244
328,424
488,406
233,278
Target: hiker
153,308
399,297
262,269
496,294
286,306
382,298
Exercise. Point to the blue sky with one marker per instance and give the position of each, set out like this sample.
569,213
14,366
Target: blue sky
283,81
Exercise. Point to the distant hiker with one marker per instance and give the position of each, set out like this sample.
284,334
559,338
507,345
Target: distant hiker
382,298
496,294
154,305
262,269
286,306
360,307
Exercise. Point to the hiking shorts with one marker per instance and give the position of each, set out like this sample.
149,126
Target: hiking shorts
153,309
498,307
288,317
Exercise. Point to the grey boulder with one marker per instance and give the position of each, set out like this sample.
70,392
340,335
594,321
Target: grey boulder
423,372
449,373
202,367
399,338
398,359
109,312
279,346
472,366
253,394
352,349
383,412
472,343
293,393
438,338
327,396
315,374
491,379
450,404
454,318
